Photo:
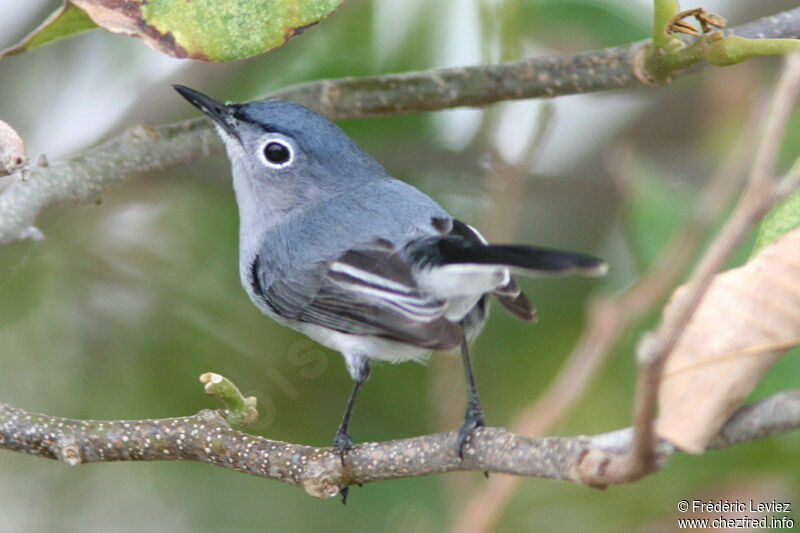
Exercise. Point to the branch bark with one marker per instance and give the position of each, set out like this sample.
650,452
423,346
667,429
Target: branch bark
208,438
144,149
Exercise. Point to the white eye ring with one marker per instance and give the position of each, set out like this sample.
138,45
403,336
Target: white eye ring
277,153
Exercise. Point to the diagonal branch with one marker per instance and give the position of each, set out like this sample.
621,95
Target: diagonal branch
144,149
762,191
611,317
206,437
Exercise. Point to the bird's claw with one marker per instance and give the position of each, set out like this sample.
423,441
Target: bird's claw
343,442
472,419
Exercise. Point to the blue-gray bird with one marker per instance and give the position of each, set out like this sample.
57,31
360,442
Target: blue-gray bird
333,246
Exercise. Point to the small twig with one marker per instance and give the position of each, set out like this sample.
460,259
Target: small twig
663,12
658,64
239,410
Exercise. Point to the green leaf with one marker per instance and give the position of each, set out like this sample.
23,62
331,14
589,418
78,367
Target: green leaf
783,218
208,30
67,20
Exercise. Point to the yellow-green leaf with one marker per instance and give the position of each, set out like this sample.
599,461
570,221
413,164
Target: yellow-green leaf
209,30
67,20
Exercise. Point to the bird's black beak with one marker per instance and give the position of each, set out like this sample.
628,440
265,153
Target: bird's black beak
220,113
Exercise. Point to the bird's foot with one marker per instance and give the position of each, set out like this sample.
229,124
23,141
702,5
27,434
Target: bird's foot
343,442
472,419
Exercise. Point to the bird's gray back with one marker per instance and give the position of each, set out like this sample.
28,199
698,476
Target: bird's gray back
385,209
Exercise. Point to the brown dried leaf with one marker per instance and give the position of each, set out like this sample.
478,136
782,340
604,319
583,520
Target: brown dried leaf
748,319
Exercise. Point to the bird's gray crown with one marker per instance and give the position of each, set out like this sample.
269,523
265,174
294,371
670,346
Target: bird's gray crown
282,117
320,142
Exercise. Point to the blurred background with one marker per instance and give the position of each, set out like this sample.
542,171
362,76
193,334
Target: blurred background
125,303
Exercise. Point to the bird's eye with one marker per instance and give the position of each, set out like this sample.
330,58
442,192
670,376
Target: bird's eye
277,154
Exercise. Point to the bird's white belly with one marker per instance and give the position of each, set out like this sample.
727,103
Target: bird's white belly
355,347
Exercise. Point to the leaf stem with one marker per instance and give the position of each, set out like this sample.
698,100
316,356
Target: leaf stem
663,11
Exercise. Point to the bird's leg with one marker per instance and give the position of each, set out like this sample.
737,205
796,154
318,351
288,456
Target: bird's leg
474,415
343,441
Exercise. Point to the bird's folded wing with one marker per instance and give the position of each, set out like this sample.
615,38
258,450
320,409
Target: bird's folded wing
366,291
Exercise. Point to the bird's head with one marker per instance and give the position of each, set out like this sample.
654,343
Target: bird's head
281,148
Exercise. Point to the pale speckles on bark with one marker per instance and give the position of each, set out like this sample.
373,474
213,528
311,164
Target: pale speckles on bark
206,437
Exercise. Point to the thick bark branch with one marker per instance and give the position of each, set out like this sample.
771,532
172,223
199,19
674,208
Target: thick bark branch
538,77
207,438
143,149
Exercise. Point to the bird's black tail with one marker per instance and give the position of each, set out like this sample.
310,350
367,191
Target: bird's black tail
461,244
532,259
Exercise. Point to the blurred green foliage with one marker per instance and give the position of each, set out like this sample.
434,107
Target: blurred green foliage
126,303
657,204
783,218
